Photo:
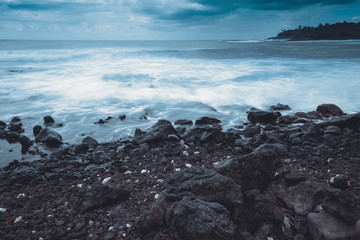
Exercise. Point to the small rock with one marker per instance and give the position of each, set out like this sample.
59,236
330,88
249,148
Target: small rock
2,125
183,122
91,142
36,130
207,121
26,143
280,107
48,120
122,117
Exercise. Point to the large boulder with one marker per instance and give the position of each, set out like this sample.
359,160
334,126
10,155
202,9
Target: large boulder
194,205
194,219
207,185
324,226
329,110
349,121
156,133
262,117
252,171
49,137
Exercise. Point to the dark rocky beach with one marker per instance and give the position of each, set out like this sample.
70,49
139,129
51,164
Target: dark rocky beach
274,177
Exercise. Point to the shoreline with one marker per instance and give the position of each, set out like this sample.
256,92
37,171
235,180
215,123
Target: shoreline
279,177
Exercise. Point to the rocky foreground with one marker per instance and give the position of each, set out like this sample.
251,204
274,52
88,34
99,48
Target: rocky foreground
276,177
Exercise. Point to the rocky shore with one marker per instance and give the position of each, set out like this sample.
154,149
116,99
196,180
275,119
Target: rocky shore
274,177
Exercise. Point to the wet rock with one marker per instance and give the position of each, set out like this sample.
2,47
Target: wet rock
333,130
2,125
122,117
309,115
329,110
280,107
36,130
12,137
252,171
156,133
251,131
26,143
101,121
349,121
15,120
104,195
207,185
184,122
204,134
49,137
344,205
262,117
194,219
207,121
48,120
91,142
16,127
324,226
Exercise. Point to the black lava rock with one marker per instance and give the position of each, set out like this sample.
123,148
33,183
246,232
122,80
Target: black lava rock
262,117
51,138
329,110
36,130
207,121
48,120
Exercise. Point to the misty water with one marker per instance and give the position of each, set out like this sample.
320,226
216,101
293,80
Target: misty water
79,82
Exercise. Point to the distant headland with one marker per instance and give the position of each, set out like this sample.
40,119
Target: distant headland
337,31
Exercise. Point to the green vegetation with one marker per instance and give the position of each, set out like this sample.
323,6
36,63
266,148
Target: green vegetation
337,31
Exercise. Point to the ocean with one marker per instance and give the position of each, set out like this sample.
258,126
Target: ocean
80,82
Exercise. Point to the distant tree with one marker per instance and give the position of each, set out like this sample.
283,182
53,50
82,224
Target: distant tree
337,31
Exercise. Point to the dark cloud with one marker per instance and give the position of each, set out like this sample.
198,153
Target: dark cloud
211,8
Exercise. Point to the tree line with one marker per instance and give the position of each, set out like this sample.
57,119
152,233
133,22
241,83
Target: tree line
337,31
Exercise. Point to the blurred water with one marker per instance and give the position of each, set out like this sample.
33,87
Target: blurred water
78,82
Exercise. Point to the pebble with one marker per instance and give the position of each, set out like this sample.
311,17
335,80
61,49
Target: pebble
156,196
128,225
185,153
2,210
177,169
128,172
18,219
106,180
21,195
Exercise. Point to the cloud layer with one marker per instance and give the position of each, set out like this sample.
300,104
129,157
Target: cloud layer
163,19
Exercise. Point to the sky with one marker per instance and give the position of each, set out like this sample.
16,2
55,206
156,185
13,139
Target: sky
166,19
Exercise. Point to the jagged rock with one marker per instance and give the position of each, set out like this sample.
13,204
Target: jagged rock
344,205
262,117
48,120
207,121
26,143
12,137
207,185
251,131
340,181
2,125
349,121
329,110
104,195
194,219
156,133
280,107
16,127
303,197
91,142
323,226
15,120
183,122
204,134
333,130
49,137
254,170
36,130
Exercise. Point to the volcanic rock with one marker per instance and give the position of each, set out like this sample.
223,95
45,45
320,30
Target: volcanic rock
183,122
49,137
207,121
36,130
262,117
48,120
280,107
329,110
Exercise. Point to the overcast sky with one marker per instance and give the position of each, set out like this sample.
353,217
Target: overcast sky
166,19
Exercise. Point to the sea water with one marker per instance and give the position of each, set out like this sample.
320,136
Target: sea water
79,82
